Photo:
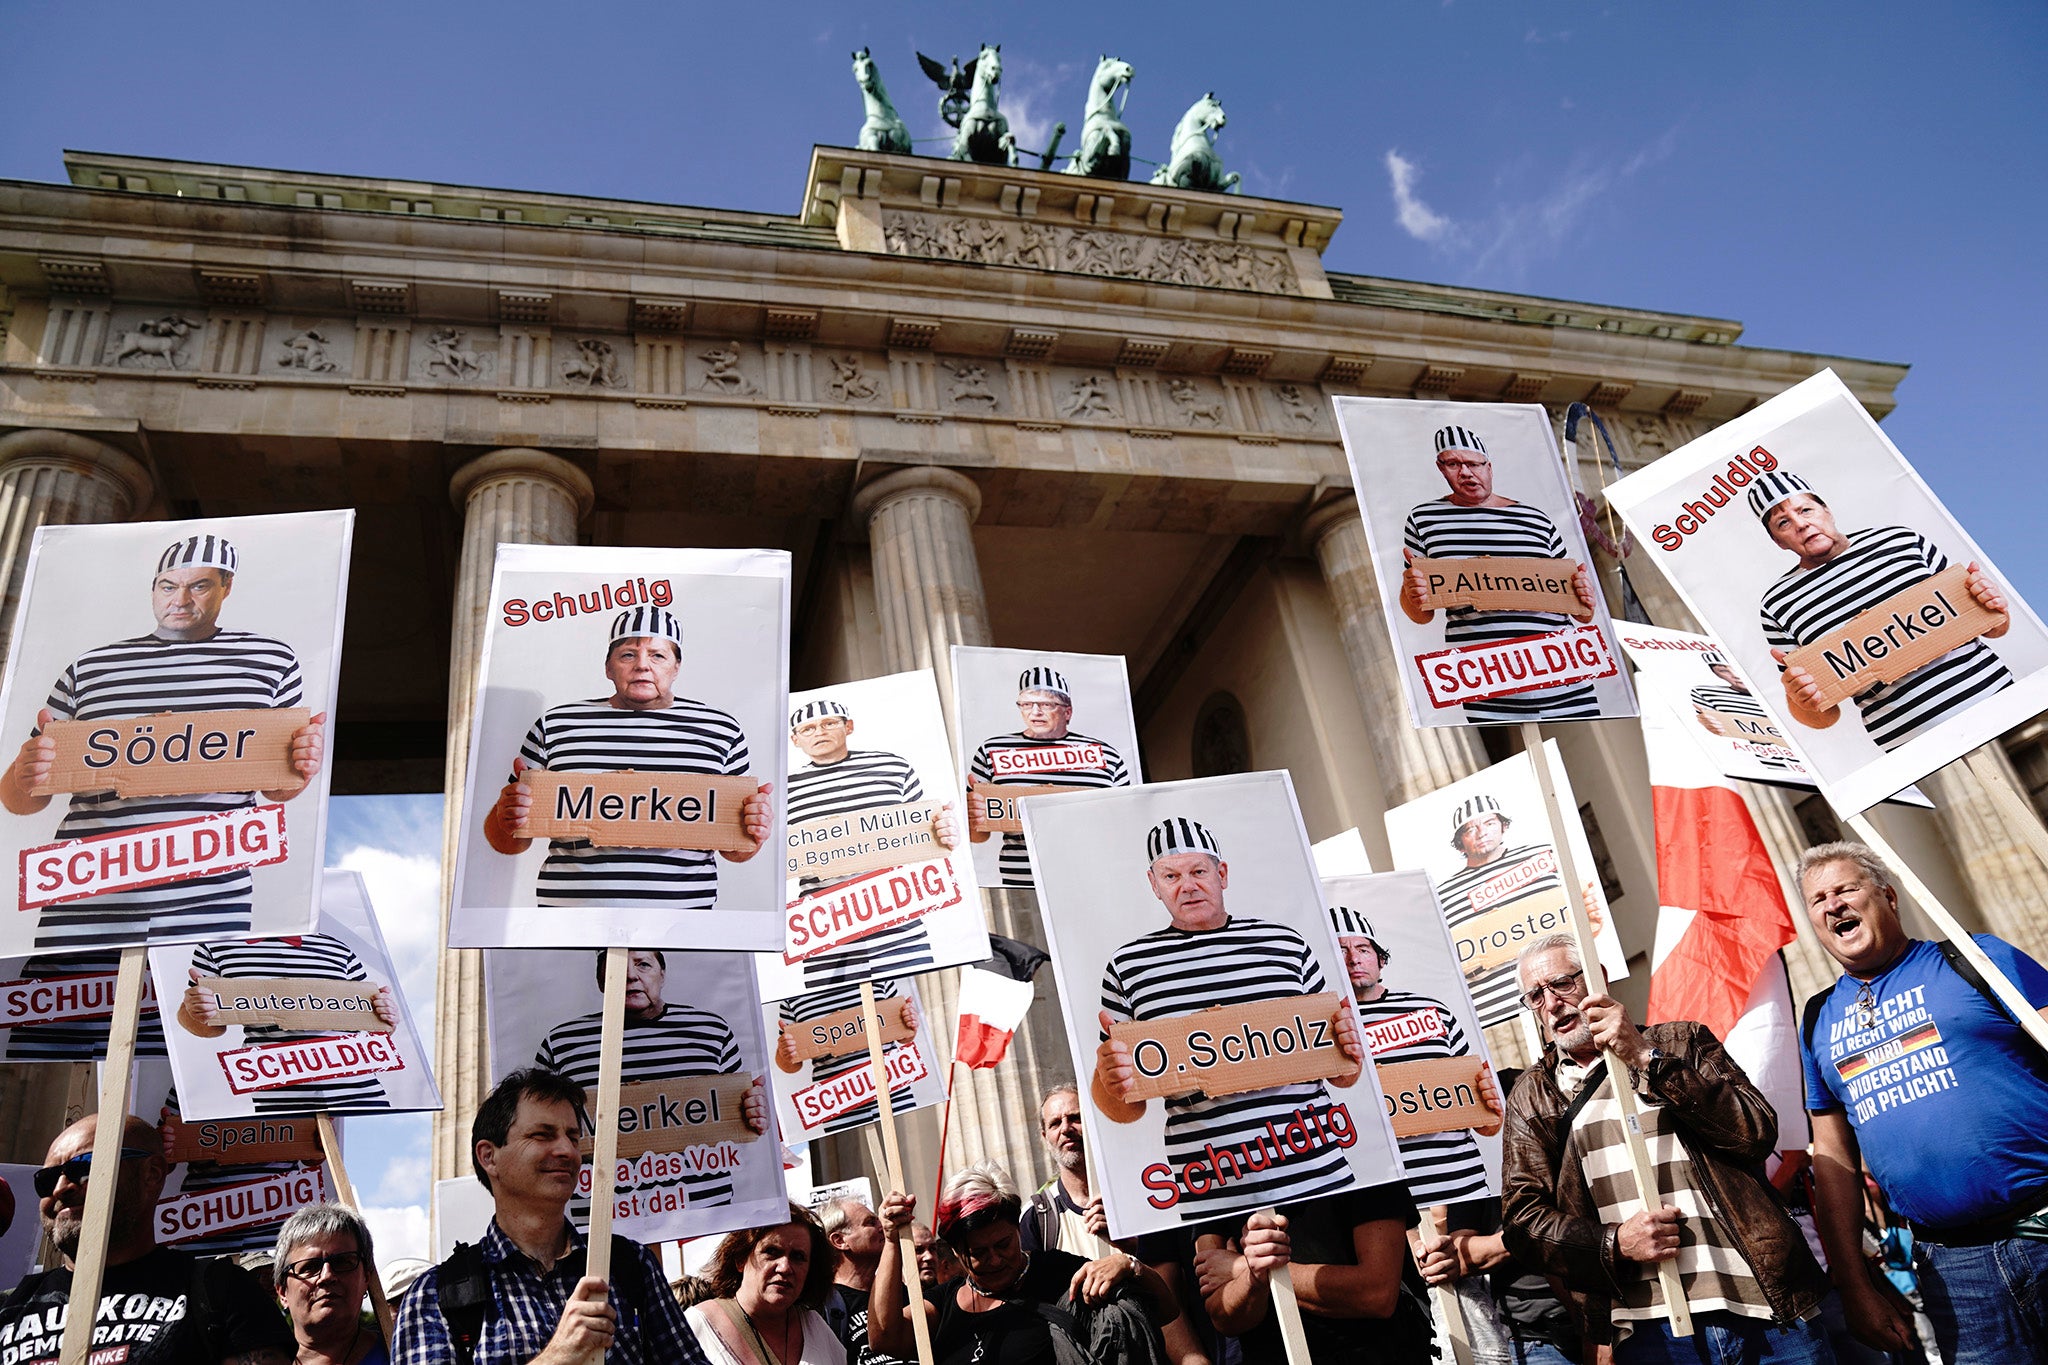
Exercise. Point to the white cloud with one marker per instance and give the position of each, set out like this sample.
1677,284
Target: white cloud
404,1181
406,891
401,1233
1416,218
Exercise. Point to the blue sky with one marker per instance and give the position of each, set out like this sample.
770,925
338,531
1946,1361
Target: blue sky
1844,179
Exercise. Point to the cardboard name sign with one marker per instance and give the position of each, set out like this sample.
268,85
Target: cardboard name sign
177,753
995,808
1226,1050
864,841
1906,631
303,1004
639,810
1500,583
1497,936
244,1142
1435,1096
691,1111
1754,729
838,1035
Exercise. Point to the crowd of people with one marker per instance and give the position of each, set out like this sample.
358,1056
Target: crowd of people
1912,1231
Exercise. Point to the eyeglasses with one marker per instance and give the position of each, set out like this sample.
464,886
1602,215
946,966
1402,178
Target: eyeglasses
77,1170
341,1263
1041,705
1458,466
1563,987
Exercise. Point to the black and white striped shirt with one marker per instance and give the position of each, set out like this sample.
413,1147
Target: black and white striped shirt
201,1176
1496,991
801,1009
596,737
1444,530
320,956
1172,972
233,670
863,780
78,1040
1734,702
684,1041
1015,863
1440,1168
1806,604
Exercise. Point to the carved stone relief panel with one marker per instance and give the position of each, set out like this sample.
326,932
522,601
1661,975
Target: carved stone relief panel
970,387
725,367
306,347
1089,251
153,339
851,379
456,355
593,363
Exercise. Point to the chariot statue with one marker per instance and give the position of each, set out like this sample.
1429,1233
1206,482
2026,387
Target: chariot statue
1105,142
982,133
884,130
1193,164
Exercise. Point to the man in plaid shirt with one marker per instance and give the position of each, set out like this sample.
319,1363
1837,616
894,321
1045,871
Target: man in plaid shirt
543,1308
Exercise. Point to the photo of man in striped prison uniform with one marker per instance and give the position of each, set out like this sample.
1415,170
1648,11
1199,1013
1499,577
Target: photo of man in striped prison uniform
645,726
663,1042
222,1178
319,956
1441,1168
1840,576
1731,698
1470,522
1479,831
188,663
1221,1149
78,1040
1045,706
839,780
799,1010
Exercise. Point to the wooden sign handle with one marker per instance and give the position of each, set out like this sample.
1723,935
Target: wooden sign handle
1447,1301
604,1156
1287,1313
89,1266
1675,1306
893,1153
345,1191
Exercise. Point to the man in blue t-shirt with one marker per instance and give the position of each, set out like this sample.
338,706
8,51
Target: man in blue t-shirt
1911,1067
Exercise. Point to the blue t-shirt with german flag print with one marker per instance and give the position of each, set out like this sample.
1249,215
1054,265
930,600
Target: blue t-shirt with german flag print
1948,1098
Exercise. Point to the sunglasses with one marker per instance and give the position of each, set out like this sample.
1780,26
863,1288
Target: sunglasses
341,1263
1563,987
77,1170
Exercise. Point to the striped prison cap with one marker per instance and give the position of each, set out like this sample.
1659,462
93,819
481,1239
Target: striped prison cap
1178,834
200,552
1773,488
1470,809
1039,678
817,710
635,622
1350,924
1713,658
1457,438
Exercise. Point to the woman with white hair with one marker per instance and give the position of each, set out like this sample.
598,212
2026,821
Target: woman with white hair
321,1270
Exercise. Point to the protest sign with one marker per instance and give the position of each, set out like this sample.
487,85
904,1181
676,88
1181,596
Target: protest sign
1484,574
165,723
1490,853
1802,539
311,1023
1193,907
823,1084
624,751
1422,1030
1034,722
693,1106
1342,855
56,1008
879,879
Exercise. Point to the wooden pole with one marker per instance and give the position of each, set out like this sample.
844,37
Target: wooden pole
604,1156
1675,1306
330,1143
1103,1246
2017,810
1447,1301
1287,1313
89,1265
2029,1018
892,1153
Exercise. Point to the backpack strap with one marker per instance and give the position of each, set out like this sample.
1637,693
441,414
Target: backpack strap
1967,970
463,1285
1809,1018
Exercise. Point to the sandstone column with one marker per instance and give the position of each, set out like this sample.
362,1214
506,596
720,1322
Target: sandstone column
929,597
519,497
2008,880
50,478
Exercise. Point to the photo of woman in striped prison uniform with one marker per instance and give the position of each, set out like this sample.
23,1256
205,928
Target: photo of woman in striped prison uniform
837,779
799,1010
643,725
1045,707
1731,698
319,956
1472,521
189,662
1840,576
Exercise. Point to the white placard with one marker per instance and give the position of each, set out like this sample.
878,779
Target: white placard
834,1093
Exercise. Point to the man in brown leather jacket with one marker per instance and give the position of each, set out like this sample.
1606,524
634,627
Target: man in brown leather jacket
1568,1198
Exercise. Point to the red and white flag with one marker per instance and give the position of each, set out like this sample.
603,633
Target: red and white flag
991,1008
1721,920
